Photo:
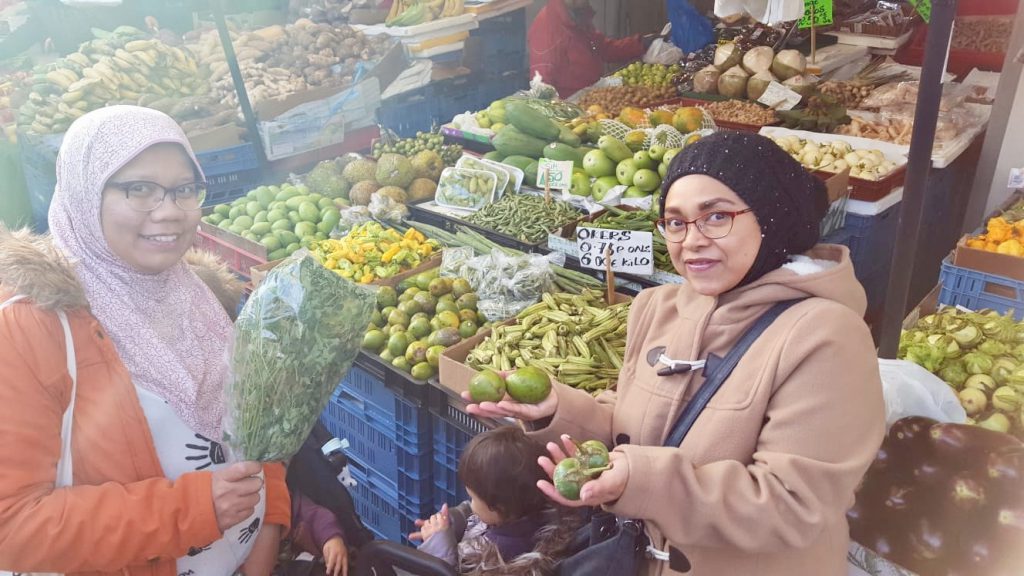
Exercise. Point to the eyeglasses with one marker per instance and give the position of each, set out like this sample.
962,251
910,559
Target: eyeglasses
145,196
713,225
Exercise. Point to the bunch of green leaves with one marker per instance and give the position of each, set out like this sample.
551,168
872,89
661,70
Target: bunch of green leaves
294,340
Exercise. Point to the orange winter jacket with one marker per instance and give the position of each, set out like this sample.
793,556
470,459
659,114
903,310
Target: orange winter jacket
121,516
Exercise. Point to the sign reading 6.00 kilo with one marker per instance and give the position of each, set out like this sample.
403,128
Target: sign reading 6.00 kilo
632,252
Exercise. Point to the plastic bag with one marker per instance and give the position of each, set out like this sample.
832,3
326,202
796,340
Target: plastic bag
507,284
350,218
538,89
691,31
294,340
766,11
910,390
663,52
385,209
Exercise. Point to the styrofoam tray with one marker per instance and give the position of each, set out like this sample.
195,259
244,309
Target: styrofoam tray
878,42
892,152
861,208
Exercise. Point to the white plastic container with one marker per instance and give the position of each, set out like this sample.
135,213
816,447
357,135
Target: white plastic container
456,189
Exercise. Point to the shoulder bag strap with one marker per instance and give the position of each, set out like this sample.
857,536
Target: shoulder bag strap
64,470
721,372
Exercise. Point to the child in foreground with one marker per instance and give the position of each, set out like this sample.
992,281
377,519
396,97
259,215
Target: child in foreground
508,526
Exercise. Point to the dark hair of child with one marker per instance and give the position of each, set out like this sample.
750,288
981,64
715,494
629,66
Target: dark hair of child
500,467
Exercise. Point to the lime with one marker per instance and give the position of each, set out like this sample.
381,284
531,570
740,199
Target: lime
467,329
487,386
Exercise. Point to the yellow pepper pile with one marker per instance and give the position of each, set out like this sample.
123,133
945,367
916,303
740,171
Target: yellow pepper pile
370,252
1001,236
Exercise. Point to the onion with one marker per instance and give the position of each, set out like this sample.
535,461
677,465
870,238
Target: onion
789,63
759,83
706,81
733,83
727,56
758,59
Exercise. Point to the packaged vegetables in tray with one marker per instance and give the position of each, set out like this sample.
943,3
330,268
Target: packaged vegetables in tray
505,182
466,189
294,340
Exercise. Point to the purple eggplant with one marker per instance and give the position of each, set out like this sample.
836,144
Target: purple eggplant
928,540
1006,471
966,492
908,438
965,447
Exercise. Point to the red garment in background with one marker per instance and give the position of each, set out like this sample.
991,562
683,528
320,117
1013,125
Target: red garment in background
570,54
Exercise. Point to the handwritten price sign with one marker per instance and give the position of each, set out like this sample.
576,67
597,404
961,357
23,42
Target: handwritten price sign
632,252
554,175
817,13
924,8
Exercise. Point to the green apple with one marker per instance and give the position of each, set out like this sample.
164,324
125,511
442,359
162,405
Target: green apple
597,164
643,160
663,170
657,152
669,155
625,172
580,185
647,180
634,192
602,186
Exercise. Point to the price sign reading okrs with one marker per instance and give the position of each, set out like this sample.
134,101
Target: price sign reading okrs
632,252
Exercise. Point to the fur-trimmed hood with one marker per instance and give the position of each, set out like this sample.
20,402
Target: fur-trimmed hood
480,556
30,265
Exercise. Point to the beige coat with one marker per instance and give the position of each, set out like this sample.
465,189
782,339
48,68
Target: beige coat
761,484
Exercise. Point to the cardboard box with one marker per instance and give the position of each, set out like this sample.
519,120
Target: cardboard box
453,372
927,306
216,138
991,262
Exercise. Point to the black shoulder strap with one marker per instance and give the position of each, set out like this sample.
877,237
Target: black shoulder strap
721,372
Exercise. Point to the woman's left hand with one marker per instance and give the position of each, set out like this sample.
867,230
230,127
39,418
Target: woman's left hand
608,487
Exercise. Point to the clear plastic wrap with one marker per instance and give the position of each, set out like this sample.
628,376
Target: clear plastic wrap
506,284
385,209
905,93
294,340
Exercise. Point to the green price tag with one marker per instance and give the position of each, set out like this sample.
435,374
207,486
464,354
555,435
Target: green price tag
924,8
820,10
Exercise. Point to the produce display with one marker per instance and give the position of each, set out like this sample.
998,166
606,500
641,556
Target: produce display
615,164
466,189
294,340
414,324
1004,234
281,60
281,218
640,74
371,252
410,147
413,12
526,218
495,116
120,67
740,112
403,180
943,499
746,74
613,99
980,355
849,94
982,33
837,156
576,339
9,83
640,221
333,12
505,179
589,461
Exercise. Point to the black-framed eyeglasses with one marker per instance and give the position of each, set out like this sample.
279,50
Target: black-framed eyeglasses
143,196
713,225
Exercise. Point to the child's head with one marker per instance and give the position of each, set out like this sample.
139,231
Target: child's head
500,471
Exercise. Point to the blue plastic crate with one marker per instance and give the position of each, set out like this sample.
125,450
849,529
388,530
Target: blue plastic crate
496,87
502,34
453,429
378,443
389,514
412,422
978,290
408,113
503,62
871,239
39,163
456,96
228,160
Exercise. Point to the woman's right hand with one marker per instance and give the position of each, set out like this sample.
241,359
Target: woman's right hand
509,408
236,492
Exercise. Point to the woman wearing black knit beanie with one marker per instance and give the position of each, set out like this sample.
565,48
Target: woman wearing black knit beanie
761,482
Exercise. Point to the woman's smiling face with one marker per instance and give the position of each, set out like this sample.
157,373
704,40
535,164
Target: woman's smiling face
150,242
712,267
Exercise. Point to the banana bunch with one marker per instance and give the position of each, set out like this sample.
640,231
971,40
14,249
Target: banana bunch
413,12
123,68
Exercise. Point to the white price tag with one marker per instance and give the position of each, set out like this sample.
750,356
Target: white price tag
1016,178
558,174
779,97
632,252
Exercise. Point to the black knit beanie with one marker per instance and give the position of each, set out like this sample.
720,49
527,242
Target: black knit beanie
788,201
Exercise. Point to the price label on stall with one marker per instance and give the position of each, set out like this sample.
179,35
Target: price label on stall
554,175
817,13
632,252
924,8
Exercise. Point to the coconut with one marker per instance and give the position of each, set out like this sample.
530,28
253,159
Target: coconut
758,83
733,83
802,85
758,59
706,81
727,56
789,63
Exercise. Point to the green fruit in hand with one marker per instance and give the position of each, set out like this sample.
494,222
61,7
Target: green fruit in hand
593,454
487,386
398,343
374,341
528,385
